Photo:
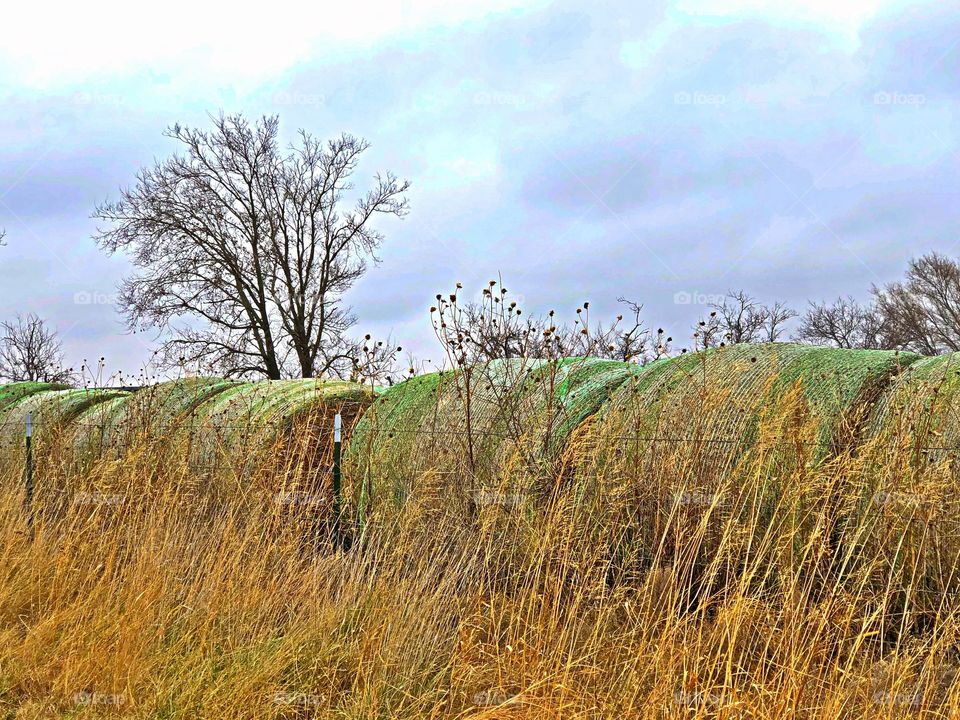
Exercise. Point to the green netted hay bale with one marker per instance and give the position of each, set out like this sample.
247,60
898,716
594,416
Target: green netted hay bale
907,491
713,403
481,433
921,409
154,413
12,394
52,411
697,440
278,434
382,443
441,429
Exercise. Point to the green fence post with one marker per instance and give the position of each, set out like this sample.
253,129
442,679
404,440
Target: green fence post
337,427
28,476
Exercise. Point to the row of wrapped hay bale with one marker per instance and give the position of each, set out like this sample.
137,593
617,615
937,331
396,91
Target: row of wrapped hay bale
110,429
491,428
731,447
519,427
271,436
522,428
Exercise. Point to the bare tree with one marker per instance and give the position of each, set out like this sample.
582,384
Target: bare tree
243,250
845,323
775,322
741,318
30,351
922,313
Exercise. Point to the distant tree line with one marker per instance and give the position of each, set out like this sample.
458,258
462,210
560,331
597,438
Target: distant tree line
243,251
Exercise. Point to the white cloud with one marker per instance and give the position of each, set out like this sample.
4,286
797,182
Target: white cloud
238,41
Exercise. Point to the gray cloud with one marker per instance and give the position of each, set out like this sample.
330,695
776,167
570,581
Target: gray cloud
584,155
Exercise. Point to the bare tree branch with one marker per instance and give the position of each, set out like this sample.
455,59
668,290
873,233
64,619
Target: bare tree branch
243,251
31,352
922,313
845,323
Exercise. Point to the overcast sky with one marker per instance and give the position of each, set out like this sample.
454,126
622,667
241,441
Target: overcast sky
663,151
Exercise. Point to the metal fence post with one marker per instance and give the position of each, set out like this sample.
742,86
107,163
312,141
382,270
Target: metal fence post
337,426
28,476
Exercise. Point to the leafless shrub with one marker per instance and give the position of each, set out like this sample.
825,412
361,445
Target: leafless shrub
497,328
741,318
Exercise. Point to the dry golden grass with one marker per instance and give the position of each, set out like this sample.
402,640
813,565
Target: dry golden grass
772,591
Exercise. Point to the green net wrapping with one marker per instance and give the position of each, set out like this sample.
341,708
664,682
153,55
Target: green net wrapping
907,504
110,429
52,412
271,435
14,392
473,432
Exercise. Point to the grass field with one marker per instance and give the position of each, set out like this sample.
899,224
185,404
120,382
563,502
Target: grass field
755,532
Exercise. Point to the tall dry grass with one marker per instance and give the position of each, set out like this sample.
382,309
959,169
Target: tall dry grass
772,591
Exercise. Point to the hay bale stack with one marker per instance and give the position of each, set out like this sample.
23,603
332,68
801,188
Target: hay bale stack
734,432
717,405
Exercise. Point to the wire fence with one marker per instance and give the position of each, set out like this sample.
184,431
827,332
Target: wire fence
152,431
